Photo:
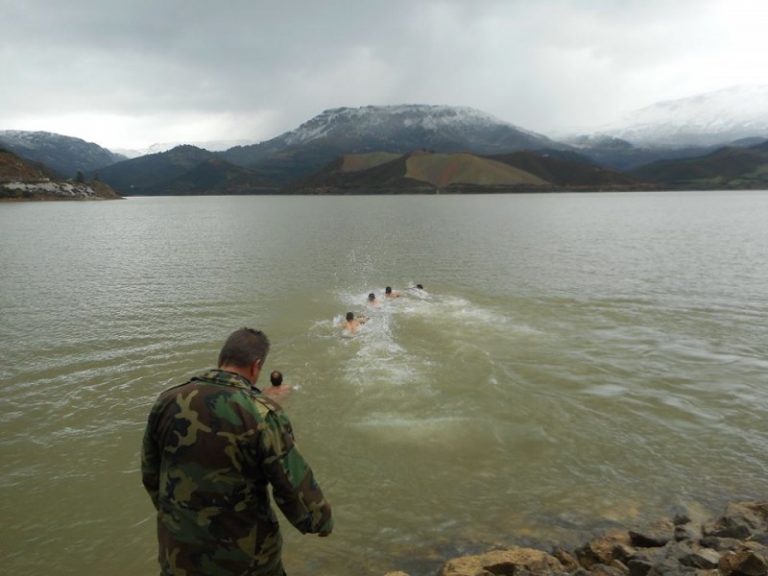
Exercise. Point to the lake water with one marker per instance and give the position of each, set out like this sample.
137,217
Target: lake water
578,361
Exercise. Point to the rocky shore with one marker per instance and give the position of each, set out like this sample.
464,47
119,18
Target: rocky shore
22,180
735,544
53,190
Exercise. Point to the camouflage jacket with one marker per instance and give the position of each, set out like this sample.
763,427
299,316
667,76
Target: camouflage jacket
210,448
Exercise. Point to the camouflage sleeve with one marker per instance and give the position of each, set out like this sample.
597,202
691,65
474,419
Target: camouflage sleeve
294,488
150,461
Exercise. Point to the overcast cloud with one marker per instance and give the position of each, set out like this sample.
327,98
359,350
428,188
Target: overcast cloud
132,73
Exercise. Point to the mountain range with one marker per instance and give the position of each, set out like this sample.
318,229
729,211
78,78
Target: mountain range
65,155
210,145
395,129
184,170
726,168
711,119
665,145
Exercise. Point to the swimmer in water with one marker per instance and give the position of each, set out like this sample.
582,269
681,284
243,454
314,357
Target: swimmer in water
352,324
372,300
388,293
277,389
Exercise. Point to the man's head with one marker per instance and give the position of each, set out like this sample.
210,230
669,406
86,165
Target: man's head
276,378
244,352
419,286
388,290
350,316
371,297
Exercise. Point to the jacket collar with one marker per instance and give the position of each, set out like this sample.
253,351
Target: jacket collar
224,378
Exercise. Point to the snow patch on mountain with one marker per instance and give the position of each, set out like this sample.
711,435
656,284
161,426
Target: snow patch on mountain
382,120
39,140
709,119
64,154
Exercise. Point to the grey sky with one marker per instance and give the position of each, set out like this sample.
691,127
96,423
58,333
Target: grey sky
129,73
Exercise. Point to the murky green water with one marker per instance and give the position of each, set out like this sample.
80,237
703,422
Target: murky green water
578,360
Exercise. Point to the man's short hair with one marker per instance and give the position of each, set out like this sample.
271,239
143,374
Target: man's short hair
350,316
244,347
388,289
371,296
276,378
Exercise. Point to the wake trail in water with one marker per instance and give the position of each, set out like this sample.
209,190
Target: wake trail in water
407,340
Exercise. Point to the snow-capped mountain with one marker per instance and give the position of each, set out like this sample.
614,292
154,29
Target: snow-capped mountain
64,154
709,119
399,129
389,121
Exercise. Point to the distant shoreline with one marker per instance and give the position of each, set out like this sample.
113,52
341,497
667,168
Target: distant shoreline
51,198
453,192
476,192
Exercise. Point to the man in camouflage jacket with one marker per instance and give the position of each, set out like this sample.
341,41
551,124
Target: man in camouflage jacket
210,448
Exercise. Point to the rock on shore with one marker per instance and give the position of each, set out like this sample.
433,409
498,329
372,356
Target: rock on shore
735,544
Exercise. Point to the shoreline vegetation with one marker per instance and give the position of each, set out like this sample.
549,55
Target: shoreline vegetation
733,544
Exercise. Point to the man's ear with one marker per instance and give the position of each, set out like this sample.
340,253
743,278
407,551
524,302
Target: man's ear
256,368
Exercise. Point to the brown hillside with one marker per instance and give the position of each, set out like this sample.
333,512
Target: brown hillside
357,162
387,178
14,169
443,170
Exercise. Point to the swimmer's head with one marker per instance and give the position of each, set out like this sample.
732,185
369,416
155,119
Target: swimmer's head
419,286
388,290
371,297
350,316
276,378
